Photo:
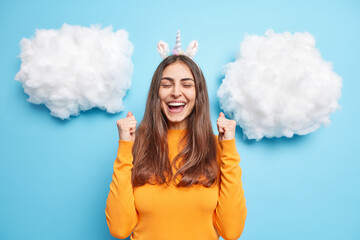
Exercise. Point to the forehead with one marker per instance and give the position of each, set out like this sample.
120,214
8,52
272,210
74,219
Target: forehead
177,70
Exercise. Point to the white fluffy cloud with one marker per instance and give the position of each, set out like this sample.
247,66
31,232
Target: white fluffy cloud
76,68
279,86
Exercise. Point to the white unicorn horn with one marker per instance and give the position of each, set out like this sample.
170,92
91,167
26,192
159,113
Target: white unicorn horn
177,49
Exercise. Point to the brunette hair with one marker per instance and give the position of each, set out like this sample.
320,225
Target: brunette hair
150,151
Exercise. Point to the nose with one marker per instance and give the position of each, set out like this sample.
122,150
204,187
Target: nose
176,91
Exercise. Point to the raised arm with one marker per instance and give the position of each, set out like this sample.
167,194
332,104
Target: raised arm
230,213
121,215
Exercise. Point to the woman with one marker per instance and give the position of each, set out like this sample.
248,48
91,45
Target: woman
173,179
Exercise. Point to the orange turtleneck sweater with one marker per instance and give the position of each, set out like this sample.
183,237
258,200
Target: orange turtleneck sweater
166,212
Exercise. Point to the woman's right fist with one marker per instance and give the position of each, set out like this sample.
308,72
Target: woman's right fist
127,127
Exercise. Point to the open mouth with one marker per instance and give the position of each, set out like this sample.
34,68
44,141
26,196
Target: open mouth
176,107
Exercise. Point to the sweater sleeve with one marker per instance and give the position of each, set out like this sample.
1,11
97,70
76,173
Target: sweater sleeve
230,213
121,215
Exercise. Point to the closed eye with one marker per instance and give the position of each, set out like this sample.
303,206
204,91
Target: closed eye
187,83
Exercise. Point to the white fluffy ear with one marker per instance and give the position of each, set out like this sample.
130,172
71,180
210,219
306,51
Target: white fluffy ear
163,49
192,49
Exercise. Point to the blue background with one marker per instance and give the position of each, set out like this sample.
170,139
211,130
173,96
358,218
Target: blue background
55,174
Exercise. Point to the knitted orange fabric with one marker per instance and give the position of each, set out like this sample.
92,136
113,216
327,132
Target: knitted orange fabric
166,212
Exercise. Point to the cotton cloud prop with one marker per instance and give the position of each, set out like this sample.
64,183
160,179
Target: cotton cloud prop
76,68
279,86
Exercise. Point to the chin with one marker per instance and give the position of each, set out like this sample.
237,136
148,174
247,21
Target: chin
176,120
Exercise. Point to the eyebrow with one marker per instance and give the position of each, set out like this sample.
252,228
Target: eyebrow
171,79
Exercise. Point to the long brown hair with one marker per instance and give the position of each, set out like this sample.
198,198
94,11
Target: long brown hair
150,151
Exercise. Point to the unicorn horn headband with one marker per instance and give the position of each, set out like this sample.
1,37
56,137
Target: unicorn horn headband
164,49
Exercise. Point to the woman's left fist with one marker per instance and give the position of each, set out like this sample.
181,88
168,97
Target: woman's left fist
226,128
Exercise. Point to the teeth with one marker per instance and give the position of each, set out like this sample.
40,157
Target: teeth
176,104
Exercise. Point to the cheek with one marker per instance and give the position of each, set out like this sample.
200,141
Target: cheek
192,96
162,97
162,103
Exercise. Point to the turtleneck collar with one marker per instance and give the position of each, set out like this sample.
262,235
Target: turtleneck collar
176,132
185,129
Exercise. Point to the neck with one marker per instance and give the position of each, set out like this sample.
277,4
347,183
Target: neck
177,125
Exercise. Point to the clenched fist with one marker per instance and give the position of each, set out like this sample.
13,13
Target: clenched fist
127,127
226,128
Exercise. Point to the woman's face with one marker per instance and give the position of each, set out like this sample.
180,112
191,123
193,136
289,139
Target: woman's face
177,94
